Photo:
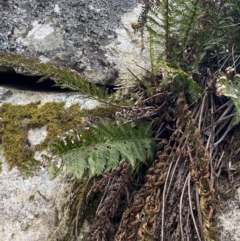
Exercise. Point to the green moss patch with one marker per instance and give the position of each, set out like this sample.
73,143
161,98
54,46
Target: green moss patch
17,120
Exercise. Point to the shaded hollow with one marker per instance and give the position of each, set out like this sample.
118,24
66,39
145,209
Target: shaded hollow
13,80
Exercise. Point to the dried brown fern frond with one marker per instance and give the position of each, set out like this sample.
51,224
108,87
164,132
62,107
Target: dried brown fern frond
176,199
134,218
115,188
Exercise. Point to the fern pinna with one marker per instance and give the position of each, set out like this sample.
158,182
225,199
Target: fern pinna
103,148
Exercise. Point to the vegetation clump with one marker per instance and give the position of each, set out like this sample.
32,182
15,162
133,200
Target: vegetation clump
17,120
188,102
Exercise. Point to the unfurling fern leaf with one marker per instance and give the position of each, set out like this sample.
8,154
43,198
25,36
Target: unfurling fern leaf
103,148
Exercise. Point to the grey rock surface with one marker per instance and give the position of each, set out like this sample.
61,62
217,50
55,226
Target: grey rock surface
96,39
228,221
31,208
24,97
93,37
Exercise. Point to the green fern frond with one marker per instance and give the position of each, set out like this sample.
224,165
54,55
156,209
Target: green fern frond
164,21
146,7
179,80
103,148
63,77
152,50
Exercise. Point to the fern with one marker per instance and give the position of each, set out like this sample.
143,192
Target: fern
164,21
179,80
103,148
220,32
63,77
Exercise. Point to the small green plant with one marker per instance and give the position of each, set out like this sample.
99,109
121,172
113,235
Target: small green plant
103,148
169,24
179,80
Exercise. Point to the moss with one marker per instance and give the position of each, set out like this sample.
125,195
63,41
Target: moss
31,198
17,120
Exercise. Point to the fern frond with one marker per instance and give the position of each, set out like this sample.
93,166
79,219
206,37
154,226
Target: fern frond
164,21
104,147
179,80
63,77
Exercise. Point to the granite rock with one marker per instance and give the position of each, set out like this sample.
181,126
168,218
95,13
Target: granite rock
31,207
228,220
93,37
